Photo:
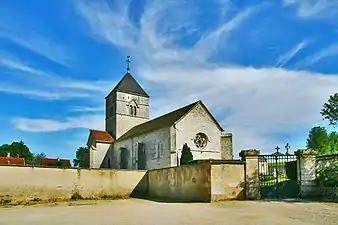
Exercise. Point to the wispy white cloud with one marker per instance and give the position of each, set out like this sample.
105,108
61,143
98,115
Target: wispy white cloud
262,101
46,125
86,109
30,34
40,94
324,53
314,9
285,58
48,85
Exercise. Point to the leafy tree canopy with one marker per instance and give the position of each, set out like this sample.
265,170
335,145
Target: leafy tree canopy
80,159
16,149
37,159
330,110
186,156
322,141
318,140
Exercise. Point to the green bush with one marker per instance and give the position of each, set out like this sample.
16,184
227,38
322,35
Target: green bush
291,170
328,175
267,177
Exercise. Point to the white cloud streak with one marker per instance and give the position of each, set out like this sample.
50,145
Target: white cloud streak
48,86
324,53
46,125
285,58
25,35
314,9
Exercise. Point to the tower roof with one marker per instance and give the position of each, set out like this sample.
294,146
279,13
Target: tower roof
129,85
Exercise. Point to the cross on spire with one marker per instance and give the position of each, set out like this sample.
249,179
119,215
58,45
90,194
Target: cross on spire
128,63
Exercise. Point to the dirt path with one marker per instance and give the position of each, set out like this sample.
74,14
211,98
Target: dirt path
133,211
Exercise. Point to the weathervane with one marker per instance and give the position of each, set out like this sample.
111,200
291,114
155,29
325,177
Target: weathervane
128,63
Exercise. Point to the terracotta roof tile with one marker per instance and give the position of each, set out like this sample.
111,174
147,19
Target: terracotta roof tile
12,161
100,135
50,161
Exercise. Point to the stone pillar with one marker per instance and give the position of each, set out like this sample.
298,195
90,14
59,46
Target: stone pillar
252,187
306,172
226,146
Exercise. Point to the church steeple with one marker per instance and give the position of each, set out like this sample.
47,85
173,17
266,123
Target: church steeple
127,105
128,84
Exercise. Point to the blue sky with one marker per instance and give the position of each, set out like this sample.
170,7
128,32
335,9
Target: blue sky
264,68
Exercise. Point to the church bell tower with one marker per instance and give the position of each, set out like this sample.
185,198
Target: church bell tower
127,105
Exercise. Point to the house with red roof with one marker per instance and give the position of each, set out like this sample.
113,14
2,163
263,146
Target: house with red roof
11,160
55,162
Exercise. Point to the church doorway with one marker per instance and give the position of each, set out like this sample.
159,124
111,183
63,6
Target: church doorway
141,162
124,158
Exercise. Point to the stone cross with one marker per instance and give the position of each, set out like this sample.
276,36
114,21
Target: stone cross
287,147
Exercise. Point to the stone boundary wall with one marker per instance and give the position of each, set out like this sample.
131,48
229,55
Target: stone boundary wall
324,161
27,183
201,182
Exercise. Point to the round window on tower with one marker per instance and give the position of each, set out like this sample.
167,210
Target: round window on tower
201,140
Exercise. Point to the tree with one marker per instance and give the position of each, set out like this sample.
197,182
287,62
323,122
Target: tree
80,159
318,140
17,149
186,156
37,159
333,143
330,110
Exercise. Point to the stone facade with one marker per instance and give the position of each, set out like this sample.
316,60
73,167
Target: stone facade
98,152
156,144
120,116
198,121
226,146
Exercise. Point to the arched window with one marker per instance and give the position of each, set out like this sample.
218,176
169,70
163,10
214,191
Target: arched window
134,111
131,110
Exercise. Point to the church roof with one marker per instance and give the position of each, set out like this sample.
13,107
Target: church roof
129,85
163,121
100,135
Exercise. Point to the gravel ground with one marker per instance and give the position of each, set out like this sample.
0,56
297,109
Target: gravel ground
135,211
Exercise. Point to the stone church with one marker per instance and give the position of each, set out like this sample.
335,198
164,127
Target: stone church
133,141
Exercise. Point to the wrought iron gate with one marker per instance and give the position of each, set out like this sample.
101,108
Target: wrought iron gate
278,175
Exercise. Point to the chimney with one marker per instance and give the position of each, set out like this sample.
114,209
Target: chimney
8,154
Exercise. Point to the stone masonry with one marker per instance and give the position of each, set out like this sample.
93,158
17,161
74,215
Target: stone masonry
226,146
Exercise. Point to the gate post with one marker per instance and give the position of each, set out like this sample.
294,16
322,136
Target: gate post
306,172
252,186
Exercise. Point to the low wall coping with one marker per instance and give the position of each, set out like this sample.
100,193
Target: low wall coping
249,152
224,134
70,168
217,161
306,152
